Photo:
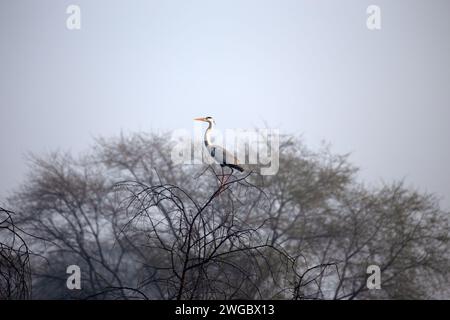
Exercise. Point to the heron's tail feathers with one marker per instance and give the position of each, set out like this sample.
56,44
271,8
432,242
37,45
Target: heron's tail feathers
237,167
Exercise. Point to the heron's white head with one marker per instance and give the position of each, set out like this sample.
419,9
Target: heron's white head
210,120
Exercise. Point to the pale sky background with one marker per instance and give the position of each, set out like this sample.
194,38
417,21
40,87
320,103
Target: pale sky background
305,67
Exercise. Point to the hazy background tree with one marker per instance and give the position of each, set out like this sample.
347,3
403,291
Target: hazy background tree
309,232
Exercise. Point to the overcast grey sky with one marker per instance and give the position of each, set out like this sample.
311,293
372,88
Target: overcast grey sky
306,67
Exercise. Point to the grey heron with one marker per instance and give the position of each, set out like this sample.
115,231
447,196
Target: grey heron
218,153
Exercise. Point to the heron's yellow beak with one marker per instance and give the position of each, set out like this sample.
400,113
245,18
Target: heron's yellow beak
200,119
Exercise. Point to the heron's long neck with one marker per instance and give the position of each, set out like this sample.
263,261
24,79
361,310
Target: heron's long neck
208,134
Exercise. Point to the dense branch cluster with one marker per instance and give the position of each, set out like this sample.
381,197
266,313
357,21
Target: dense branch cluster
200,249
14,260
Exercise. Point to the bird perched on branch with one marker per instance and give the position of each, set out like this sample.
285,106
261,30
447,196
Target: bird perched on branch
219,154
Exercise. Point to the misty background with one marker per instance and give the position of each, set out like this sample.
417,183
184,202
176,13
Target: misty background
305,67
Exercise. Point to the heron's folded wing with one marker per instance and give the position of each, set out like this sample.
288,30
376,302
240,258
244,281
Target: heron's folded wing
223,156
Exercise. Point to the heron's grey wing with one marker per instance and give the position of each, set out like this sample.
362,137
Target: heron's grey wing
223,156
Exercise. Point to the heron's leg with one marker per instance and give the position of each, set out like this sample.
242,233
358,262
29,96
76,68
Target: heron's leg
223,186
229,175
221,176
218,175
222,182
